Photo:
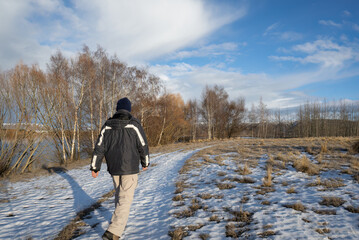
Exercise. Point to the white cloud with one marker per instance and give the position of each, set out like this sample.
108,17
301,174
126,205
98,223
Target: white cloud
356,27
346,13
329,23
273,31
271,28
189,81
136,30
209,50
323,52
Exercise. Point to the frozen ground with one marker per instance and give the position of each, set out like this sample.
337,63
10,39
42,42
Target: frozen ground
41,208
216,210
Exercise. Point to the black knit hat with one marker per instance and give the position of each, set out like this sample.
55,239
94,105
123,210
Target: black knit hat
124,103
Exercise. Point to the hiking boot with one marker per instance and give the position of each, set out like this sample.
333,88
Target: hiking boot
109,236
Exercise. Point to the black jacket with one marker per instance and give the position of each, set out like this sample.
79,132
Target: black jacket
123,143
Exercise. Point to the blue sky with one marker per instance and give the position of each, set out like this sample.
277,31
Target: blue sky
286,52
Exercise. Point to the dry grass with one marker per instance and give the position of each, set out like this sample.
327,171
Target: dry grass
303,164
205,196
241,216
244,199
325,211
355,147
234,231
267,181
267,233
322,230
204,236
327,184
319,158
241,180
195,227
245,170
324,147
177,198
352,209
223,186
186,213
332,201
231,231
178,233
296,206
266,202
214,218
291,190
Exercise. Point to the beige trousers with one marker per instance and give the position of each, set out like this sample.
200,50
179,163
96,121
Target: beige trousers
125,186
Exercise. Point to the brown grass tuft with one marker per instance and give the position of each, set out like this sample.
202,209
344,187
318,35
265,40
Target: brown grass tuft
231,231
332,201
325,211
322,230
267,233
291,190
204,236
214,218
245,170
296,206
177,198
195,227
265,202
352,209
178,233
267,181
205,196
324,147
184,213
355,147
241,216
303,164
223,186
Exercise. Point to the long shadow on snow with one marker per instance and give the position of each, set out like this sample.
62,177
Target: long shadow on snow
80,197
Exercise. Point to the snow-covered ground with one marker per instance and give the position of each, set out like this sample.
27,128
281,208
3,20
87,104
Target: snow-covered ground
42,207
269,214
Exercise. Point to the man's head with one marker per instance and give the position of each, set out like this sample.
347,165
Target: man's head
124,103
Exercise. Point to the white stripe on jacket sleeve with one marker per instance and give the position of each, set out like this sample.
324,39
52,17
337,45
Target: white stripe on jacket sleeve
102,133
93,165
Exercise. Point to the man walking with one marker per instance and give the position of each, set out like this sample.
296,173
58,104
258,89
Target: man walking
123,143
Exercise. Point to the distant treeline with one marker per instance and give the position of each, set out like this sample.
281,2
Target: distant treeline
312,119
66,105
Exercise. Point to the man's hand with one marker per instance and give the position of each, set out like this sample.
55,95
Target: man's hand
144,168
94,174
